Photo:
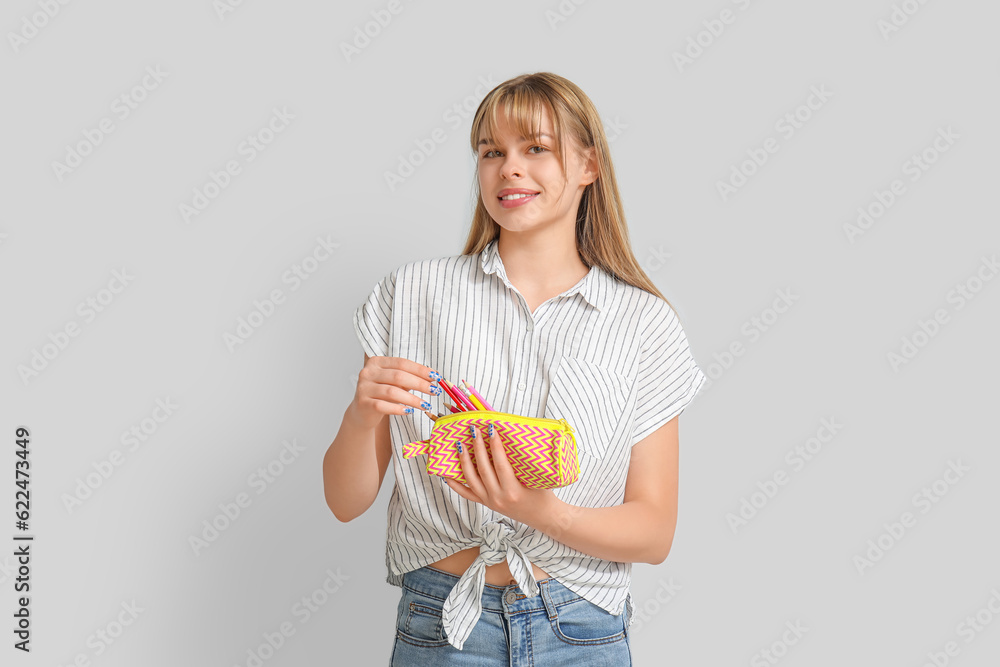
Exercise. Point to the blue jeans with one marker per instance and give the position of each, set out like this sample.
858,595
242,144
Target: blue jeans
556,627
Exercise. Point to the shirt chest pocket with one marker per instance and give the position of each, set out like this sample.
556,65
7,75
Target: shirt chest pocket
592,399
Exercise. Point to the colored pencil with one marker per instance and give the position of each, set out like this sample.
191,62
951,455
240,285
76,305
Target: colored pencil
469,405
468,399
461,400
451,392
475,401
476,394
447,389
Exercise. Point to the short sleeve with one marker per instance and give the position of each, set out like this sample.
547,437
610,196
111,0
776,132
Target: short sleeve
373,318
668,377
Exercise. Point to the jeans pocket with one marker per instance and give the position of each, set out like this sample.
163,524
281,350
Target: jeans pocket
419,619
583,622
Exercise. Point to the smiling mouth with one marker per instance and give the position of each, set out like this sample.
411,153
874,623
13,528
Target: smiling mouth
517,196
515,201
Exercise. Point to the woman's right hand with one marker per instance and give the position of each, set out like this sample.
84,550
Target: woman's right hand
384,386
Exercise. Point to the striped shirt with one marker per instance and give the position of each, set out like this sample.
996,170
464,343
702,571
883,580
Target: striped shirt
610,358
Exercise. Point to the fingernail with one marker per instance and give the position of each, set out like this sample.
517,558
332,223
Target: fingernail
425,405
436,376
459,448
489,429
436,389
409,410
472,430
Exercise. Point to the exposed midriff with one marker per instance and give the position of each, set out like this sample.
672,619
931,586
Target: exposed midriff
497,574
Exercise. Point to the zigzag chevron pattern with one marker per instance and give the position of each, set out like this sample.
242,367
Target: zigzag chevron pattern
542,458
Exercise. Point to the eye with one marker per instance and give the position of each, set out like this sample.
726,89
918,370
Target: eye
543,148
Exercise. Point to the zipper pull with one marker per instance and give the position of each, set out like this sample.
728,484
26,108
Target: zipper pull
566,424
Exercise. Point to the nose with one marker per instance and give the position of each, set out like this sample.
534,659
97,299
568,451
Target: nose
511,167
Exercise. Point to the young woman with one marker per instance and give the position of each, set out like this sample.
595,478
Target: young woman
548,314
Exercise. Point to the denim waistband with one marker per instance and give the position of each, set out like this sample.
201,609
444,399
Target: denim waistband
510,598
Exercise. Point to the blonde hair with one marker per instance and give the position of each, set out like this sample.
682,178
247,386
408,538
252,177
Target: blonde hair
601,230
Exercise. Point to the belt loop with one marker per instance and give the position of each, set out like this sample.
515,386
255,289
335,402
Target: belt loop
550,607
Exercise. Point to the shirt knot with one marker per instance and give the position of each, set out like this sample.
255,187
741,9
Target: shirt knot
496,541
464,605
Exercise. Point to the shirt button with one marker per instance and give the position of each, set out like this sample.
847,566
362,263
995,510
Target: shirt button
521,386
511,597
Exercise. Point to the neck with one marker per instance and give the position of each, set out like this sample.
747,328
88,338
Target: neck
541,262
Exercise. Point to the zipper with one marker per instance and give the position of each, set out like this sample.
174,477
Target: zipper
542,421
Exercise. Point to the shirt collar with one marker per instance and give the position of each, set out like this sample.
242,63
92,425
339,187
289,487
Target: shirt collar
595,287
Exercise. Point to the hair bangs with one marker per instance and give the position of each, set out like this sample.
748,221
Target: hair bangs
522,106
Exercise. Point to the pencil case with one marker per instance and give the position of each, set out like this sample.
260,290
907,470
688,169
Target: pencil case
541,451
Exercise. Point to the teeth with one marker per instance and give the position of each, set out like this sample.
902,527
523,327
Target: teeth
516,196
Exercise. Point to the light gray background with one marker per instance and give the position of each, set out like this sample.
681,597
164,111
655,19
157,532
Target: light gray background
680,131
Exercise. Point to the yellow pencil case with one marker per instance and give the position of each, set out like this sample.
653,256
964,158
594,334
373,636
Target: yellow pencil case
541,451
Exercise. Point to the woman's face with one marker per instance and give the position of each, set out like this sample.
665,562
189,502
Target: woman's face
517,165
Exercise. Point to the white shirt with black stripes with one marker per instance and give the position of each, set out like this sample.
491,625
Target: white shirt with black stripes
610,358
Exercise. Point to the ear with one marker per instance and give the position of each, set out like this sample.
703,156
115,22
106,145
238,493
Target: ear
590,172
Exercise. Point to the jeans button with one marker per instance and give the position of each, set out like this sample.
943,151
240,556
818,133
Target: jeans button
511,597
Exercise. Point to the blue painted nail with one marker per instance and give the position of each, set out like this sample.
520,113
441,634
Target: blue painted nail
436,376
409,410
472,430
489,429
459,448
425,405
436,389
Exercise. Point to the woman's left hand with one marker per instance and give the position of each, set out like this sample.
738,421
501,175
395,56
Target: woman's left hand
496,486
